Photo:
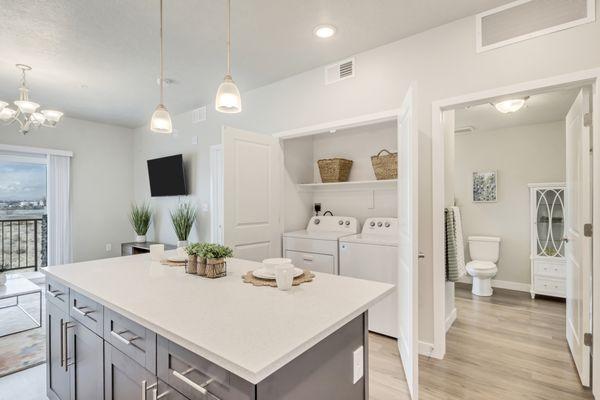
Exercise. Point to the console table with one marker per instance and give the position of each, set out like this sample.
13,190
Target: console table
131,248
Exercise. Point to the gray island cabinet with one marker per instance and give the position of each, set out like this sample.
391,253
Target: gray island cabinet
106,344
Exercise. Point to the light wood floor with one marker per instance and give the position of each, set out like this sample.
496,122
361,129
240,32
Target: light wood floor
502,347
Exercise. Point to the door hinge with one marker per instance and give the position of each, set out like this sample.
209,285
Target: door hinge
587,339
587,230
587,120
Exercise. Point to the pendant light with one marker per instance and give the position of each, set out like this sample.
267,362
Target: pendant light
161,119
228,98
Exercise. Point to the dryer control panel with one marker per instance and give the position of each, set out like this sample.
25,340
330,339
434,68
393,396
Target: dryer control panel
381,226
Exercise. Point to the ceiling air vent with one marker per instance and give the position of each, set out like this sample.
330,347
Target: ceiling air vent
199,115
464,130
525,19
339,71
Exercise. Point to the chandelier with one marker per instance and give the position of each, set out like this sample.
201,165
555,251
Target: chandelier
26,114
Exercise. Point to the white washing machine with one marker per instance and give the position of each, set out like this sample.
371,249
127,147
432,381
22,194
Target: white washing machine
316,247
373,255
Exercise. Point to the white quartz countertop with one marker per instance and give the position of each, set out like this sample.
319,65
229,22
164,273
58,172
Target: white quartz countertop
248,330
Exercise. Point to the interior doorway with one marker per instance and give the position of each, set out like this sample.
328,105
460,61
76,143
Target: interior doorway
569,256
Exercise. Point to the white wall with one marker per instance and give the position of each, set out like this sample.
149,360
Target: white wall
521,155
444,63
101,181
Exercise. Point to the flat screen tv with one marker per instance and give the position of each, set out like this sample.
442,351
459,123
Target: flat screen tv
166,176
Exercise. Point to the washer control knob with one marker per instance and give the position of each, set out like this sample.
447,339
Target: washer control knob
347,223
317,221
340,222
372,223
387,224
379,224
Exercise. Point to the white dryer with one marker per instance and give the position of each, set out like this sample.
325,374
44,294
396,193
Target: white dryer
316,247
373,255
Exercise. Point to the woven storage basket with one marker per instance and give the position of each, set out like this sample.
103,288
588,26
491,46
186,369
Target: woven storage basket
334,169
385,166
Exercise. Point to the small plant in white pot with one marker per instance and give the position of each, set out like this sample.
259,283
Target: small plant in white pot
183,219
140,217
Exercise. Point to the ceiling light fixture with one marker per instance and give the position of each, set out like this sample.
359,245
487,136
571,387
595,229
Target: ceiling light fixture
228,98
26,114
161,119
324,31
510,105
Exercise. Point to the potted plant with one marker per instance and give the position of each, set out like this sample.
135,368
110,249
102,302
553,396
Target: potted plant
183,219
215,255
140,217
192,252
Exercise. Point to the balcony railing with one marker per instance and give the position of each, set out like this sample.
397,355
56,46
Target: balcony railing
22,243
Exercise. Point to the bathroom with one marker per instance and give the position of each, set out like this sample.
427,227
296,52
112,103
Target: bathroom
505,172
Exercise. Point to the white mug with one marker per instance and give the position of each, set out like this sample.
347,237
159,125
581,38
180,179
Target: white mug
284,276
270,264
157,251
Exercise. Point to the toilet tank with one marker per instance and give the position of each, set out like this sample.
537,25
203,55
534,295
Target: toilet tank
484,248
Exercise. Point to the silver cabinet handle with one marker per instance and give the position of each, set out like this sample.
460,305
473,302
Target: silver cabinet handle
144,389
122,339
54,293
307,258
64,345
81,312
192,384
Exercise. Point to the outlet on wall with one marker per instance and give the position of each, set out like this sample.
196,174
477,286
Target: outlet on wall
359,364
108,247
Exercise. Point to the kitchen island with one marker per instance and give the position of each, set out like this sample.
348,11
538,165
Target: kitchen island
129,327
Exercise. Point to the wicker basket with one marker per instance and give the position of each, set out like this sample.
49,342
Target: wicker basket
216,267
201,266
385,166
191,265
334,169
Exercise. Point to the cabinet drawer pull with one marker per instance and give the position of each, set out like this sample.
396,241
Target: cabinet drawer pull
54,293
307,258
81,312
122,339
200,388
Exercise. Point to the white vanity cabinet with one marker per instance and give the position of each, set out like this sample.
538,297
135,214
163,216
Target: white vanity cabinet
548,264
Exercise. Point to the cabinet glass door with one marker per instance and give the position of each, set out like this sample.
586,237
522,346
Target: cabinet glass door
550,222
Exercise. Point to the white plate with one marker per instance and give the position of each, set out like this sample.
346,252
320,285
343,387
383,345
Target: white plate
265,274
177,259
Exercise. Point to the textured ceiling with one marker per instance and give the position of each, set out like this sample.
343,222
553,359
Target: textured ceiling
98,59
541,108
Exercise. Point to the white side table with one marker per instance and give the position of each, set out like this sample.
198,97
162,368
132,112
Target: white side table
15,288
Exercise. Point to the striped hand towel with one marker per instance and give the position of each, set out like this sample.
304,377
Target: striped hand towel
451,257
460,245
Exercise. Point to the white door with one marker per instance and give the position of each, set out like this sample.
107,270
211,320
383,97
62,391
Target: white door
251,194
408,254
578,249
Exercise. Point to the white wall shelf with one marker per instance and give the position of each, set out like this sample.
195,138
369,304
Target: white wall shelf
348,186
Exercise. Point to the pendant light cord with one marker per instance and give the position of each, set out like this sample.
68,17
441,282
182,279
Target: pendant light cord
161,54
228,37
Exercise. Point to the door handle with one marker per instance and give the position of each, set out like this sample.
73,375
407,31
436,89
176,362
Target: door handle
421,255
565,239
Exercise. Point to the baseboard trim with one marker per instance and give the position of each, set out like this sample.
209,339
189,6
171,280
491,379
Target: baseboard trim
425,348
518,286
450,319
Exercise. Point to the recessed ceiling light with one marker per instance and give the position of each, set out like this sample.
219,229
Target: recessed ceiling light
510,105
324,31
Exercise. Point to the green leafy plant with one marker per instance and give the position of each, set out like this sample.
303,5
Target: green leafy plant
215,251
140,217
192,249
183,219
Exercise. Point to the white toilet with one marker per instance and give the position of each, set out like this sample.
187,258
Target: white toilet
484,251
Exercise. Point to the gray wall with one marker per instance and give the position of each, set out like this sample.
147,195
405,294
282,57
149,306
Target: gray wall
521,155
443,61
101,180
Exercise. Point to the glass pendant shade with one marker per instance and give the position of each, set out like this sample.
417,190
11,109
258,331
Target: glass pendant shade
27,107
7,114
2,105
38,118
52,115
510,106
228,98
161,120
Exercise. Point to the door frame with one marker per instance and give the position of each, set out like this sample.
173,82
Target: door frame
216,193
590,78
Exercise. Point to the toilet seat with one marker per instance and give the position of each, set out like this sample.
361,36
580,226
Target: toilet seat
481,266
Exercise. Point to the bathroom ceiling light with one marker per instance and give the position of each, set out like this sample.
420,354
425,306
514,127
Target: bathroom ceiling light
324,31
510,105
